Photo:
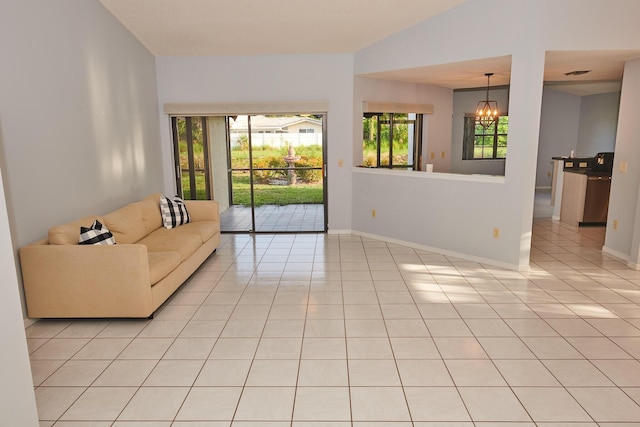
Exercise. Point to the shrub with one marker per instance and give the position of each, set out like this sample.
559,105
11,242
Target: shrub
265,176
309,175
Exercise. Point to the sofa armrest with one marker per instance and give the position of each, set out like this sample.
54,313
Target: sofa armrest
203,210
86,281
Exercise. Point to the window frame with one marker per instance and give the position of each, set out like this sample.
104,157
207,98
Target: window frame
470,134
414,158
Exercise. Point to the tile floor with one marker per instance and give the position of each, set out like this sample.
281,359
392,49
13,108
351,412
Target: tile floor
273,218
327,330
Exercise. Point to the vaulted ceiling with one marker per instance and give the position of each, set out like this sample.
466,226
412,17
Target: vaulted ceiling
286,27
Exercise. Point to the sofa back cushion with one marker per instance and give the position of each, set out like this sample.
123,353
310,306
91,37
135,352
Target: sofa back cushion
68,234
126,224
150,214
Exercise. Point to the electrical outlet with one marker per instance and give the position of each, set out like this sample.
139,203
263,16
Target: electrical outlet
623,166
442,154
433,155
615,224
496,233
373,213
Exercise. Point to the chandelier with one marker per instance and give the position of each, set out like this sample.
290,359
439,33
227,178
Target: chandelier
487,111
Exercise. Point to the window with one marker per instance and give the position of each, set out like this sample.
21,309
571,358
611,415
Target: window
191,156
392,140
303,130
480,143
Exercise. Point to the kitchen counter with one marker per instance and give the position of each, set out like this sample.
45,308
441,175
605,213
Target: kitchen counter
585,196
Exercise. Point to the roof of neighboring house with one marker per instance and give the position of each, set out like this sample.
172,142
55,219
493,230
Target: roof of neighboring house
277,123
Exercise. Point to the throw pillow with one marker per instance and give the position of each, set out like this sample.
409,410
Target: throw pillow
174,212
97,234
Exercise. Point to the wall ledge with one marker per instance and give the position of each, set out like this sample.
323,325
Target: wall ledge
494,179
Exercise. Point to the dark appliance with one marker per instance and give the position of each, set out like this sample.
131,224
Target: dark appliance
602,162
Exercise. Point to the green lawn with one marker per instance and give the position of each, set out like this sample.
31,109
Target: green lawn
264,194
267,194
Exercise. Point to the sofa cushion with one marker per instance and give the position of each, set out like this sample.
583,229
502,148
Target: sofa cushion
161,264
97,234
150,214
69,234
126,223
183,243
174,212
204,229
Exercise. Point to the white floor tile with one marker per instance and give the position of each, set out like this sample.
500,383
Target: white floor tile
223,372
174,373
334,331
373,373
76,373
273,373
550,404
497,404
425,373
317,373
154,404
436,404
607,404
100,403
475,372
210,403
378,404
266,404
322,403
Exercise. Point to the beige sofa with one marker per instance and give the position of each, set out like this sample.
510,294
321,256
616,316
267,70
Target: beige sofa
132,278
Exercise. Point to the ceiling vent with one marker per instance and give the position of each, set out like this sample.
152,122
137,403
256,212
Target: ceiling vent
577,72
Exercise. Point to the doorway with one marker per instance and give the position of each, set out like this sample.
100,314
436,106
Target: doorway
267,172
275,173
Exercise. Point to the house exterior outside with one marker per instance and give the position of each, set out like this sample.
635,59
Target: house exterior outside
277,131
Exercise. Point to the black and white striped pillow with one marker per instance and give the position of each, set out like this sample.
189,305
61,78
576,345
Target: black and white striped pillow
97,234
174,212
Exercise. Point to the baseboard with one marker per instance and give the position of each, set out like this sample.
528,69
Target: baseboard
555,217
467,257
617,254
543,188
28,322
330,231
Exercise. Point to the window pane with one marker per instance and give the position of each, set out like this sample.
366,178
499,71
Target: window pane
385,126
369,140
400,139
239,142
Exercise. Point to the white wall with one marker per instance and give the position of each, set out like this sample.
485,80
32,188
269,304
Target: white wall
78,114
528,30
559,124
598,123
460,215
17,399
624,241
271,79
465,102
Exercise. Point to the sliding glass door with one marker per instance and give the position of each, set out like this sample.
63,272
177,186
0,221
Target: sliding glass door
267,172
276,173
